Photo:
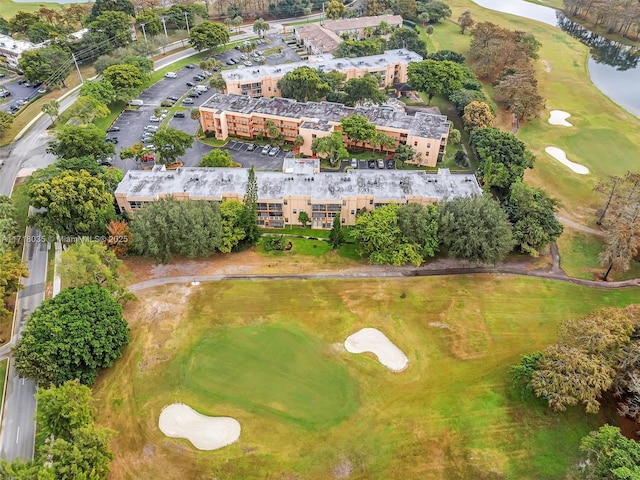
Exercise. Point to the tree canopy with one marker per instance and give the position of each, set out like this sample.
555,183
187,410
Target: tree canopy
217,157
364,89
12,270
435,77
126,80
502,158
208,35
49,355
75,203
475,229
330,147
80,141
171,144
170,227
89,262
607,454
303,84
358,128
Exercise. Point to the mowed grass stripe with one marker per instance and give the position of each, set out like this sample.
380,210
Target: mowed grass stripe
268,369
449,415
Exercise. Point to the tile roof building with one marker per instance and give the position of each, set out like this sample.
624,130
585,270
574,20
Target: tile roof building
262,81
246,117
282,196
317,40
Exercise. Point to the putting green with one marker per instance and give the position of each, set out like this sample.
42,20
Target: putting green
268,369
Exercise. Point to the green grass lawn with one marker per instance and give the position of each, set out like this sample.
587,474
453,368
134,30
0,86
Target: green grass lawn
239,348
291,377
3,373
9,8
604,137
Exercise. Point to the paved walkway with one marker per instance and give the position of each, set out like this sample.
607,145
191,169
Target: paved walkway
383,271
582,228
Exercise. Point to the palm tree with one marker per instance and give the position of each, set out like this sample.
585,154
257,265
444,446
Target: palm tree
51,108
260,26
237,21
228,22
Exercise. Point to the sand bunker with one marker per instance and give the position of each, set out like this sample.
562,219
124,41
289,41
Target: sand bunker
561,156
376,342
559,117
206,433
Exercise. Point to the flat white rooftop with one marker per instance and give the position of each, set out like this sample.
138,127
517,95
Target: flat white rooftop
214,183
325,62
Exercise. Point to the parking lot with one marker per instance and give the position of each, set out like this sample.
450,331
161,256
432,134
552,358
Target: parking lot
275,40
18,92
132,122
240,154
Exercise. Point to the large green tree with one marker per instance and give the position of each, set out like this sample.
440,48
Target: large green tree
533,215
358,128
101,90
233,232
80,141
380,239
475,229
303,84
12,270
217,157
63,409
418,225
8,224
51,108
502,158
477,115
250,213
435,78
208,35
114,26
88,262
72,335
330,147
364,89
406,38
336,235
6,121
87,109
101,6
73,204
50,63
126,80
170,227
260,26
607,454
170,144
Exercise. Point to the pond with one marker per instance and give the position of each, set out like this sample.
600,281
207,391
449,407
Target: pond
613,66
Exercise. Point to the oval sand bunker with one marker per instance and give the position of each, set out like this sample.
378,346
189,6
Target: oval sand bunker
561,156
374,341
559,117
206,433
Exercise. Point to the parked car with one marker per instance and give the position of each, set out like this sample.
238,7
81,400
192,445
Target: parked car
190,66
354,163
42,91
113,128
188,101
171,75
266,149
191,84
206,73
22,82
237,47
5,93
167,103
391,164
230,62
198,78
371,164
113,140
151,128
2,75
274,151
380,163
136,103
247,63
251,147
194,94
14,109
175,98
178,115
150,147
154,119
243,57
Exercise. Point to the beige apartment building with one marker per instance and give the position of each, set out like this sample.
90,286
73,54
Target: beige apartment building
247,117
317,40
262,81
282,196
357,27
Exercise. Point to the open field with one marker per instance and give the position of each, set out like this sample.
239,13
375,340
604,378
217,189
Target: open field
9,8
604,137
449,415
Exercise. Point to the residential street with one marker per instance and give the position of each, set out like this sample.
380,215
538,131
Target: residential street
18,429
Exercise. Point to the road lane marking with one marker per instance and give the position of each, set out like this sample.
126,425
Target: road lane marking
18,435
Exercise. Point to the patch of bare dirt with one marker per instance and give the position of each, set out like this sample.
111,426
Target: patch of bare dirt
343,469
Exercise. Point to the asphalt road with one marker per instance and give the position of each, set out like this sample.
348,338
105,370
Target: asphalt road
18,431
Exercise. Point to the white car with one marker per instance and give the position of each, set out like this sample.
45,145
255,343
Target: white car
171,75
150,147
154,119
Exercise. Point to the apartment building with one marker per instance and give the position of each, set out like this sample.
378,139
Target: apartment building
358,27
283,195
317,40
262,81
11,49
246,117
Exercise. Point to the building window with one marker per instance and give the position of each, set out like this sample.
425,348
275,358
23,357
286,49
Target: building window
370,202
295,211
415,144
286,202
353,212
